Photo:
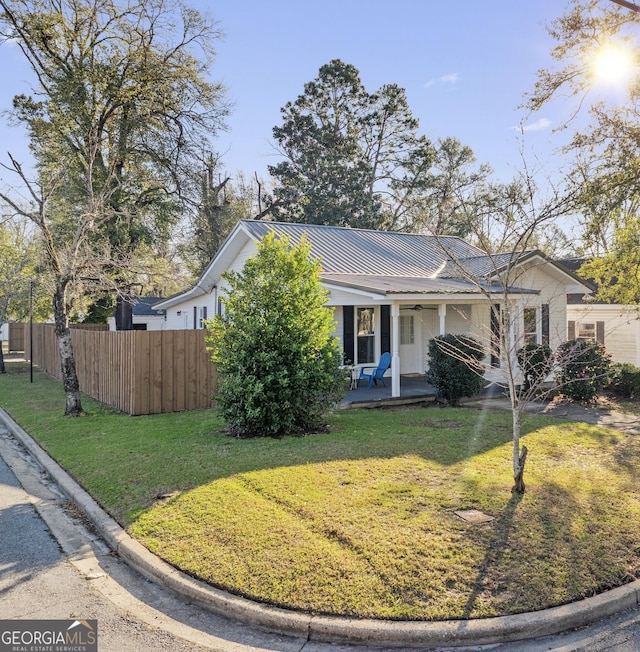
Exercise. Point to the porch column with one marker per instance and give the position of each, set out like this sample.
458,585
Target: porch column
442,313
395,348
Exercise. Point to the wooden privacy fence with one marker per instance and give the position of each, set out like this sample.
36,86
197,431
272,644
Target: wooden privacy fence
138,372
17,335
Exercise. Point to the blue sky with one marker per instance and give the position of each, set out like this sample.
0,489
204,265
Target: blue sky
465,65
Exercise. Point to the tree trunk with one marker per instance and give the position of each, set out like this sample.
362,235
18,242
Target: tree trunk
2,369
519,455
67,360
519,487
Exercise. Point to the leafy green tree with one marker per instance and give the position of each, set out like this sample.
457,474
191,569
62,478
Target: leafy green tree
121,111
352,158
457,195
18,269
277,360
223,201
606,150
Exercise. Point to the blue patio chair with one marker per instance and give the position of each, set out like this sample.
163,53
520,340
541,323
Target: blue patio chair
375,374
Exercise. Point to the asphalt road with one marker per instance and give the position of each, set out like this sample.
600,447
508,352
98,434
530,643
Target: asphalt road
52,567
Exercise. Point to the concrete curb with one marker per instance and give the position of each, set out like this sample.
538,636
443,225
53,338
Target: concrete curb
378,633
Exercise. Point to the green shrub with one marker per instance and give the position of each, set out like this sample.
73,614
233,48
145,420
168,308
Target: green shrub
624,380
278,362
454,367
535,361
583,369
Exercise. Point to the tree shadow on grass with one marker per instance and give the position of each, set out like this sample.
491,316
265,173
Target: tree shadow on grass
495,550
550,549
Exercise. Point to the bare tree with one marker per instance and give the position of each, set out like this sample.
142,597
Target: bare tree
516,315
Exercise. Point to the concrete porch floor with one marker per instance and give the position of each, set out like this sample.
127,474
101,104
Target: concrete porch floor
413,389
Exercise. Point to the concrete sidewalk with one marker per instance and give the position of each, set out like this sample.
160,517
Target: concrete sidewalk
333,630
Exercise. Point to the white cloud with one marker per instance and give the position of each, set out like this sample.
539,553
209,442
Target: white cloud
449,78
538,125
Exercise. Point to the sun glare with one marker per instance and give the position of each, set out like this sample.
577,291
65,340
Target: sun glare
613,65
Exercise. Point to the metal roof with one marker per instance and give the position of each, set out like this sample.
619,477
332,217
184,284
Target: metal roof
413,284
143,306
360,251
482,266
383,262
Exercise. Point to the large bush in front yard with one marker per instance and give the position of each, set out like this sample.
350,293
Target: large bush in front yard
278,363
624,380
454,367
583,369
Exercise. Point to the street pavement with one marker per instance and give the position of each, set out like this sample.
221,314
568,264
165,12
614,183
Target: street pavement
52,567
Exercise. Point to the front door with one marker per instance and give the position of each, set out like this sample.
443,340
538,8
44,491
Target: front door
410,335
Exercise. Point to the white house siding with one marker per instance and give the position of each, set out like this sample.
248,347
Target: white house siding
181,317
621,328
458,319
246,252
152,322
552,291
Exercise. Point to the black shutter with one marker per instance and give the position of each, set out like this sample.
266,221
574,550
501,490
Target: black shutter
495,335
545,323
348,342
195,317
571,330
600,332
385,329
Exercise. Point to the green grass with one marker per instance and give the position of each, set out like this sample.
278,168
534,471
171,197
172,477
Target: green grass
360,521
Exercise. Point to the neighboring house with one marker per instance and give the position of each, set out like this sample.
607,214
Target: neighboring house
615,325
145,316
396,291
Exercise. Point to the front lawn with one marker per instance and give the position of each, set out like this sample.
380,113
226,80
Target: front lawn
360,521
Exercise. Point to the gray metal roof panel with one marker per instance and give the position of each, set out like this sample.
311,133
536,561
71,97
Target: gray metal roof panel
384,284
481,266
144,306
360,251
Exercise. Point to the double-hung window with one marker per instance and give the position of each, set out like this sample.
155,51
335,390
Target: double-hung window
530,325
366,334
587,330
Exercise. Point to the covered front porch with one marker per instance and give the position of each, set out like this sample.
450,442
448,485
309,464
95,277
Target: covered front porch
404,327
413,389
